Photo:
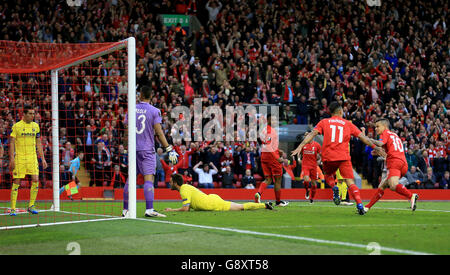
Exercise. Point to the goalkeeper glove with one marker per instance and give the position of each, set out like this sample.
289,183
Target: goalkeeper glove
173,156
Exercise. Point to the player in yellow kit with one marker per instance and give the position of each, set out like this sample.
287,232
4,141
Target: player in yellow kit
343,194
195,199
25,138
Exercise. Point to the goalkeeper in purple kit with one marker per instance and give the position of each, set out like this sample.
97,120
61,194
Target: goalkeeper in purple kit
148,124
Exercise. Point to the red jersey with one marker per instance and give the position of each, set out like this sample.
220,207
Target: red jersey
336,133
309,154
269,148
393,146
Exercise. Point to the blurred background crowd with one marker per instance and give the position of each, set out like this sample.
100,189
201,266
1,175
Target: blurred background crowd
389,61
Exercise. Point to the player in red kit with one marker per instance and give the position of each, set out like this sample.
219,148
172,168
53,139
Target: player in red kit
396,164
336,133
310,156
271,164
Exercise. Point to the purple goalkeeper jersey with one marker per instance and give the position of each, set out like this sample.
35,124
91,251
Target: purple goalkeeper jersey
146,117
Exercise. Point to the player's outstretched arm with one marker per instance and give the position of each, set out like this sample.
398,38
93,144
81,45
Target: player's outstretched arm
377,142
185,208
173,156
305,141
366,140
160,134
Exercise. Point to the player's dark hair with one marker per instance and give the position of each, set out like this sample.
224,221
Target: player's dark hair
146,92
27,108
269,118
178,179
385,121
334,107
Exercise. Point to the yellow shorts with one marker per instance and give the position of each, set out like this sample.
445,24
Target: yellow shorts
214,203
25,167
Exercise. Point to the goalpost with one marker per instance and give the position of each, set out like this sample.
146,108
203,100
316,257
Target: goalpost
83,78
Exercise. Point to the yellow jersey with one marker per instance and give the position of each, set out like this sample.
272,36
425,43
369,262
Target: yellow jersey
197,200
25,135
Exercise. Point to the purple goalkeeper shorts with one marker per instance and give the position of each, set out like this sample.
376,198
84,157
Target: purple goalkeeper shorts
146,162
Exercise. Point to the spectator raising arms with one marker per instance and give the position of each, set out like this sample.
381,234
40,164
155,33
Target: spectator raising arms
205,175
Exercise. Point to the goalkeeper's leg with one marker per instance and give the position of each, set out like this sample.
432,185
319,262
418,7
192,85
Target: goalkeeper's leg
149,191
149,194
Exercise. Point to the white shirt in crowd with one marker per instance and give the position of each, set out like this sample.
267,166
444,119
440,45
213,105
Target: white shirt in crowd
204,177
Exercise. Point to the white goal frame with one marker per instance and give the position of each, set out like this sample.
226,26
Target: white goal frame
130,43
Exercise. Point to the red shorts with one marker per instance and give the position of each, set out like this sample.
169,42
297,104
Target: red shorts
345,168
396,169
271,168
310,171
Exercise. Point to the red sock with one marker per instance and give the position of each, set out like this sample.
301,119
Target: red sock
354,190
277,195
262,187
375,198
329,179
403,191
313,190
306,184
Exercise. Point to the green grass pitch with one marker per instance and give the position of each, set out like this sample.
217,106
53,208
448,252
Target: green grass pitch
300,228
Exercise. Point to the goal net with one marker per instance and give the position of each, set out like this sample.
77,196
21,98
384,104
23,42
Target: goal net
68,102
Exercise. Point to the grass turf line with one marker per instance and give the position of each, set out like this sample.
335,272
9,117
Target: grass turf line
388,224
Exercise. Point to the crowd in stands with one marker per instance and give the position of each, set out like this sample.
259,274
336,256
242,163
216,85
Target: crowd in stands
389,61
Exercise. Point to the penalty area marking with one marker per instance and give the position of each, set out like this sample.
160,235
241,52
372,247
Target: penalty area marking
382,248
105,218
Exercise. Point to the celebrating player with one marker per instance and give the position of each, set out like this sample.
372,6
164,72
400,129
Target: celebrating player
271,163
396,164
310,156
148,123
336,133
195,199
25,138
